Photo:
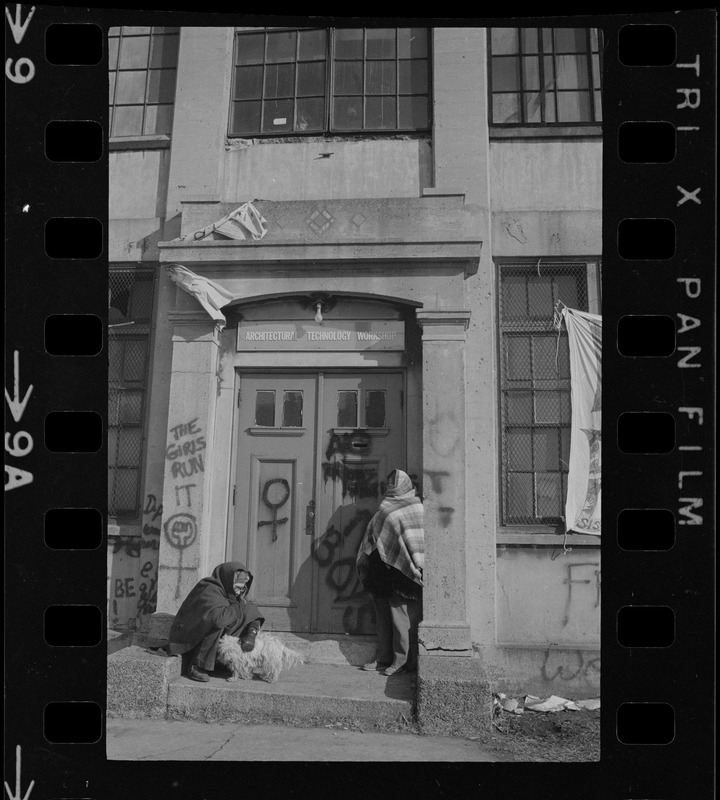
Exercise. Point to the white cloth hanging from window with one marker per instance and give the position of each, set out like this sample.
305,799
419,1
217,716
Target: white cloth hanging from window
583,503
211,296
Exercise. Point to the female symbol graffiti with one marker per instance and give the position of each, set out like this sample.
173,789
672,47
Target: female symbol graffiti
274,506
180,532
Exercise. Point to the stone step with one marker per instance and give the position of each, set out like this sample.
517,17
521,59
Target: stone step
309,695
315,648
326,648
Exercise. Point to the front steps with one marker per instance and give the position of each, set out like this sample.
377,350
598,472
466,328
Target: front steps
310,695
313,694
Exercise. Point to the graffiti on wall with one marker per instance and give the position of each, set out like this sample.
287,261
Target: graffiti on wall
133,579
184,454
276,502
569,665
582,574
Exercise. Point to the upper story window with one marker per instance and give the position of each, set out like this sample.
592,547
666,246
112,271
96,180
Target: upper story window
545,76
143,67
330,80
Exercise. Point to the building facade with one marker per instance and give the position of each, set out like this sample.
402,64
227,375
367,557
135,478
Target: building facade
429,196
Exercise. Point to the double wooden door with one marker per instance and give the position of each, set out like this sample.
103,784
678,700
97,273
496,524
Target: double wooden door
314,451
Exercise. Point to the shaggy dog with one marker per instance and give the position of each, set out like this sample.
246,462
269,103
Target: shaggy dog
268,658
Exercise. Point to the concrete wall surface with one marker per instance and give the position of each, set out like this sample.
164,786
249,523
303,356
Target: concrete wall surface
326,169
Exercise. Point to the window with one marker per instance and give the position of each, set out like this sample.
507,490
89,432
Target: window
535,386
545,76
131,302
143,66
330,80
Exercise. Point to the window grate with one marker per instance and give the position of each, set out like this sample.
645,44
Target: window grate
130,301
535,388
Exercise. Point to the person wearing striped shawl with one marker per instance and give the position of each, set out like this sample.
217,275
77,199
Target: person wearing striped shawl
390,567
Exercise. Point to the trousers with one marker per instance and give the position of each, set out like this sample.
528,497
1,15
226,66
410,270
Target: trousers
397,623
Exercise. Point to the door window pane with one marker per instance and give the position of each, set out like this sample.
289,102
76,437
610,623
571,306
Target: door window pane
374,408
292,409
164,51
161,86
158,119
347,409
505,74
265,408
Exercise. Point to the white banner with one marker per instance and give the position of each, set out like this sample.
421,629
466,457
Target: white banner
583,504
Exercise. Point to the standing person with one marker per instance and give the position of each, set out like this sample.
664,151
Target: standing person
217,605
390,564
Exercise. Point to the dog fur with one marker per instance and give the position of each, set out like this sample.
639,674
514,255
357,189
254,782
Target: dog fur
268,658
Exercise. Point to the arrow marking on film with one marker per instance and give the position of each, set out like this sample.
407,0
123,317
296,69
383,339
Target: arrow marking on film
17,406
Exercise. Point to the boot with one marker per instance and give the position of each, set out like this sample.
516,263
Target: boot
197,674
247,642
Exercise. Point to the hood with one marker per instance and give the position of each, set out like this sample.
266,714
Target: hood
402,487
224,574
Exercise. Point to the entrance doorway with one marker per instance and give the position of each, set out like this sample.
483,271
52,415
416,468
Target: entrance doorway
314,450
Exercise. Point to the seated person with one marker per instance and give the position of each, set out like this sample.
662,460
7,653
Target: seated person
216,606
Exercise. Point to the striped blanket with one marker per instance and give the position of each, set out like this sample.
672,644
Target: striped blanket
397,532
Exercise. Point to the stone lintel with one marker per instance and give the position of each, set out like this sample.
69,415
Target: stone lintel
337,254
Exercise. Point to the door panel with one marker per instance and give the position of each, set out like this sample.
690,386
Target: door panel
274,484
362,440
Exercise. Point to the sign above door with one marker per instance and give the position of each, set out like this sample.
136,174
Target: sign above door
346,334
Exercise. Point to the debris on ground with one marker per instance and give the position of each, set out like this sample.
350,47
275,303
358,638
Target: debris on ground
561,729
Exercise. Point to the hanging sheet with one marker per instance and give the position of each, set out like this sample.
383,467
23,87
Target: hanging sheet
583,503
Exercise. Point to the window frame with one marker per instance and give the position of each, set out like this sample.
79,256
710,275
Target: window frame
550,532
159,139
563,127
124,519
329,129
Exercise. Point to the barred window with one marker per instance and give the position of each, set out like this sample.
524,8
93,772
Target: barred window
143,67
535,386
545,76
321,80
131,302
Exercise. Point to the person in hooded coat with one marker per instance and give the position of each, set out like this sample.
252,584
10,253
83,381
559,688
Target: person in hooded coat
217,605
390,566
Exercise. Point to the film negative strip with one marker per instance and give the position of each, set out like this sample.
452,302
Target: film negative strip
105,508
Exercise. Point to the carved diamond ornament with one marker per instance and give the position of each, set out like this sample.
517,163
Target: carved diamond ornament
357,220
320,221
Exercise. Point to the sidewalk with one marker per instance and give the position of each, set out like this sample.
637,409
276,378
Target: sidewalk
168,740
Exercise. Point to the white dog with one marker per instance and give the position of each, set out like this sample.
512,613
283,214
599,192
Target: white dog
268,658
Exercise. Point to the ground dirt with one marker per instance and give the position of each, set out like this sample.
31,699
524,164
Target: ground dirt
532,736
